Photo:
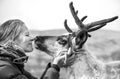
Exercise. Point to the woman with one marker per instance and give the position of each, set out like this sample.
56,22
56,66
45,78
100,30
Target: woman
14,42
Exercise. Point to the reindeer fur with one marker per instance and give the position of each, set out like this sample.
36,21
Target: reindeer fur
87,66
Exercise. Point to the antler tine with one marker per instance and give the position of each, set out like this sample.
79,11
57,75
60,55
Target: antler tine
97,27
74,14
66,27
104,21
83,18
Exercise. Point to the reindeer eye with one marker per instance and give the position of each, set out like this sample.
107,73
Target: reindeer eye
62,41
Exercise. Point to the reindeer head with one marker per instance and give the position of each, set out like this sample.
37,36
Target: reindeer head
52,44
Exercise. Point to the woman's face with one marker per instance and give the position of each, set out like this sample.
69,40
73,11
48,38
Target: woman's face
24,40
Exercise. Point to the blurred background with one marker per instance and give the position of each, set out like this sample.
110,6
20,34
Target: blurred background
46,17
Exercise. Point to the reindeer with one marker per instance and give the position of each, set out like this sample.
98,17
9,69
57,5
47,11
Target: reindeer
86,65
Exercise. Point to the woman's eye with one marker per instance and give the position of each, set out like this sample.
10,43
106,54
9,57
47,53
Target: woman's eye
27,34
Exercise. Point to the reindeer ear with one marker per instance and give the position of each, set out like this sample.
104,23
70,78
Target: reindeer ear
81,38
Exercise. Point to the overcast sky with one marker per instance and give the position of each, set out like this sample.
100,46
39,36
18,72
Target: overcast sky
50,14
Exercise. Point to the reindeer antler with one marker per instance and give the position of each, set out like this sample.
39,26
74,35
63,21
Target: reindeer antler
76,18
66,27
82,33
98,24
90,26
83,18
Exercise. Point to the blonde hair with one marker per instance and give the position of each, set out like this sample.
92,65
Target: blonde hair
10,30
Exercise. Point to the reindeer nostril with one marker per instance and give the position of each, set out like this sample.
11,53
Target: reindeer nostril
37,38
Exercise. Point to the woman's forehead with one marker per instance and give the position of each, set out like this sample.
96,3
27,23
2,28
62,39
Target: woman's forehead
24,28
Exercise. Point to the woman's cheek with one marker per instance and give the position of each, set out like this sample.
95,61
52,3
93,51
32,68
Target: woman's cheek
24,39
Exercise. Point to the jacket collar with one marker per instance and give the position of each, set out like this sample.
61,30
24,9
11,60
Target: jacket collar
13,53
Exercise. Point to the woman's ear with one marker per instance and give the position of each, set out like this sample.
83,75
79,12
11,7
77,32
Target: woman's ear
8,43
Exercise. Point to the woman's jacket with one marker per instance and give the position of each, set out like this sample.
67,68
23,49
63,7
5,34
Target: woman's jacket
12,60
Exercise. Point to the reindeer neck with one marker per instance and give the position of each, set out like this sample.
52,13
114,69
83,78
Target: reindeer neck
95,66
87,66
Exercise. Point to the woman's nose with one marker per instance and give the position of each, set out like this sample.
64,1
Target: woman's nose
32,38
